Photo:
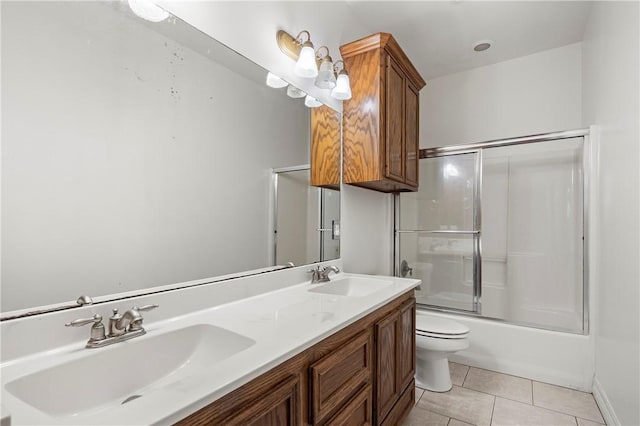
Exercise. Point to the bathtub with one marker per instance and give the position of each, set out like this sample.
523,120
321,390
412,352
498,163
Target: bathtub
558,358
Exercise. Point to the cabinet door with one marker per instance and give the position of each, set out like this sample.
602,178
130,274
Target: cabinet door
394,121
411,135
325,147
387,390
280,407
406,349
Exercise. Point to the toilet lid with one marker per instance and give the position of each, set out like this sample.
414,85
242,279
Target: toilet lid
435,326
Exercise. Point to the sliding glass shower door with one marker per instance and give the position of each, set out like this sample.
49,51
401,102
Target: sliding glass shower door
525,264
438,230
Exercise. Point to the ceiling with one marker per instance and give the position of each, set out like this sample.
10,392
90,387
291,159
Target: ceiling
439,36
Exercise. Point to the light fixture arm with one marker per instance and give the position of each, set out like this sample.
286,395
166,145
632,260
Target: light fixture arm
320,56
339,69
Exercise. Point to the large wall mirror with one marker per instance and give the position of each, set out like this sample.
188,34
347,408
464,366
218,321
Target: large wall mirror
135,155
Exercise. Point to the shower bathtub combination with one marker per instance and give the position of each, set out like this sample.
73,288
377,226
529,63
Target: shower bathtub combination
497,235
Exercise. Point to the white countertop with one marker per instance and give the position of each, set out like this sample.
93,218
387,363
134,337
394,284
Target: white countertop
282,323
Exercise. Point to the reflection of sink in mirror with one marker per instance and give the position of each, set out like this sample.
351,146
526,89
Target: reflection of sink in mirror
119,374
352,286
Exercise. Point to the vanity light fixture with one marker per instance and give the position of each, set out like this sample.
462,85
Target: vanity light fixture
299,50
342,91
326,78
307,64
275,81
148,10
312,102
294,92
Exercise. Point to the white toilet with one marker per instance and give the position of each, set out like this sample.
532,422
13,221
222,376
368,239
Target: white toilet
436,338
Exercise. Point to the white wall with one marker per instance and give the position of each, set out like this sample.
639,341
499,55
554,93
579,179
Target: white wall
95,203
610,93
534,94
250,29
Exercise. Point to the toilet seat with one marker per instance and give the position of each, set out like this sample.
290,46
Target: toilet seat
440,328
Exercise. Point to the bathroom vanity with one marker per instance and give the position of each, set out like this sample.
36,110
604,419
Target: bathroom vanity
266,349
363,374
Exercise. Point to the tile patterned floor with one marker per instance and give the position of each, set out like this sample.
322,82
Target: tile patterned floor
482,397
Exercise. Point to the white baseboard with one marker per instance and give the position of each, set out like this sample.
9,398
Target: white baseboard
604,404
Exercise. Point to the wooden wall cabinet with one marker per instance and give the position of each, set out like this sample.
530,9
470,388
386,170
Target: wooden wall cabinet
381,120
325,147
342,380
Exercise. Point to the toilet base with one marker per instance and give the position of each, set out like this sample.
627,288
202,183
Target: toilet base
432,373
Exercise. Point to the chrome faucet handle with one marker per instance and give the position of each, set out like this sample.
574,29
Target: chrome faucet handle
136,324
97,329
97,318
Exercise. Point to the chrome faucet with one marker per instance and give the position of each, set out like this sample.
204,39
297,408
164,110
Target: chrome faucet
322,275
121,327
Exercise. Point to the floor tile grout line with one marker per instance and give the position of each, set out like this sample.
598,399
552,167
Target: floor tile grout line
465,375
569,414
506,374
532,393
493,409
592,421
491,394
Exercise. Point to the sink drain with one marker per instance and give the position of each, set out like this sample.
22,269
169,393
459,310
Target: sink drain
131,398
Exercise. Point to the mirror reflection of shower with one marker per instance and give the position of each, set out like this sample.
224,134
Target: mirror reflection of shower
306,226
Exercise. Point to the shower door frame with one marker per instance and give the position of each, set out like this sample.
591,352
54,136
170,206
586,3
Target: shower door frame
479,146
476,302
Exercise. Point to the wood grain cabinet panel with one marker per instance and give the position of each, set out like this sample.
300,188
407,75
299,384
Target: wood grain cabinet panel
339,375
325,147
387,390
279,407
395,360
381,120
356,412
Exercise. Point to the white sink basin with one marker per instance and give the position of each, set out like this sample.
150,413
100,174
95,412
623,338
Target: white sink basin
125,371
352,286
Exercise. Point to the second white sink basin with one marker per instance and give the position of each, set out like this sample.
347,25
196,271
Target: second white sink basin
352,286
126,371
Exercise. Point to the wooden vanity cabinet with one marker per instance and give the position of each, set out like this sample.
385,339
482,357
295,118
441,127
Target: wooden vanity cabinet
381,120
338,381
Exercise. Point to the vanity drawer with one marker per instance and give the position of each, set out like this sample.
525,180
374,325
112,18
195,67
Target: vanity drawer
338,376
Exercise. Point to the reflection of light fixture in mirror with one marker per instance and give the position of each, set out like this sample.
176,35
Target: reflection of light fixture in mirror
275,81
312,102
326,78
342,91
294,92
147,9
300,51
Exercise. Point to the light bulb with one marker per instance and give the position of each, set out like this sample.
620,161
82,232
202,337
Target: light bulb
275,81
312,102
294,92
146,9
342,91
306,65
326,79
